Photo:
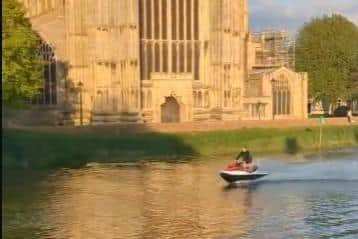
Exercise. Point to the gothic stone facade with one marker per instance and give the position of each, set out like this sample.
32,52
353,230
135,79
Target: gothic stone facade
160,61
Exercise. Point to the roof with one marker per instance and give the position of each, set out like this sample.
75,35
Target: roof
260,72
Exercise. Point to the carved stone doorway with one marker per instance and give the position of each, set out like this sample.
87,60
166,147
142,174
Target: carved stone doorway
170,110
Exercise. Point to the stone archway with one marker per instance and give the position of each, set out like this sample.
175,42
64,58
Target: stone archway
170,110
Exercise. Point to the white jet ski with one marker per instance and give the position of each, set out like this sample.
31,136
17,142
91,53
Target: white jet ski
237,175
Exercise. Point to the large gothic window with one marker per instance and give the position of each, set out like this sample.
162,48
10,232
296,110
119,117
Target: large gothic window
281,96
169,32
48,91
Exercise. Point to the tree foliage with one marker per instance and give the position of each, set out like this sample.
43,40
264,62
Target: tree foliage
327,48
22,67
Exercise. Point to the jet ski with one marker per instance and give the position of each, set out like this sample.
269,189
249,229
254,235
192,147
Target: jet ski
236,176
233,174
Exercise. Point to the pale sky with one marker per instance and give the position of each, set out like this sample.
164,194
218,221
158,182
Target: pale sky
291,14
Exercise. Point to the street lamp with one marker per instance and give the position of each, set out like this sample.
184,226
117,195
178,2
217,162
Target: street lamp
273,98
259,108
80,85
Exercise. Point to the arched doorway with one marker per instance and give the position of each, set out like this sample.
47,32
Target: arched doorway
170,110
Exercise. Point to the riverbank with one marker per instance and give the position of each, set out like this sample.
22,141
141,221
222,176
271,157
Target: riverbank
26,148
188,126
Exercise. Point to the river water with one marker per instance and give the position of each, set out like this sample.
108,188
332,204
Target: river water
303,197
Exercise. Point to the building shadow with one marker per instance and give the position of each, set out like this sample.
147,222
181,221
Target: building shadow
35,149
70,93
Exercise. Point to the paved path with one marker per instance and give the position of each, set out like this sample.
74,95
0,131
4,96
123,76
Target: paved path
193,126
207,126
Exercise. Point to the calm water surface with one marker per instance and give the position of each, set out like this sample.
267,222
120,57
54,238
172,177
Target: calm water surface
303,197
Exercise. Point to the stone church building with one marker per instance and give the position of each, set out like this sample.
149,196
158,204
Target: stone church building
114,61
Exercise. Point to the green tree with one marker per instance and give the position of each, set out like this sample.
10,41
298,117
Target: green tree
22,67
327,48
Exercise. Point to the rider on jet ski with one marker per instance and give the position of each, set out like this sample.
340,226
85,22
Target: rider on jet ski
246,164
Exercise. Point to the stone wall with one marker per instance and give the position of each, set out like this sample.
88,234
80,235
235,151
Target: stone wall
31,116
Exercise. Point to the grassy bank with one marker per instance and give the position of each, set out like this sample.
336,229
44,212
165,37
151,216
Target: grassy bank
50,150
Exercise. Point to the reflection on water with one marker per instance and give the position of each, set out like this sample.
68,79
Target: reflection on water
300,199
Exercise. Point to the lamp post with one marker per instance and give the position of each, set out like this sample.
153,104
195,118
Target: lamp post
259,108
80,85
273,82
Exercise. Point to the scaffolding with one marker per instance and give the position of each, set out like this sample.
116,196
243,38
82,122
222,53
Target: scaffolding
276,48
